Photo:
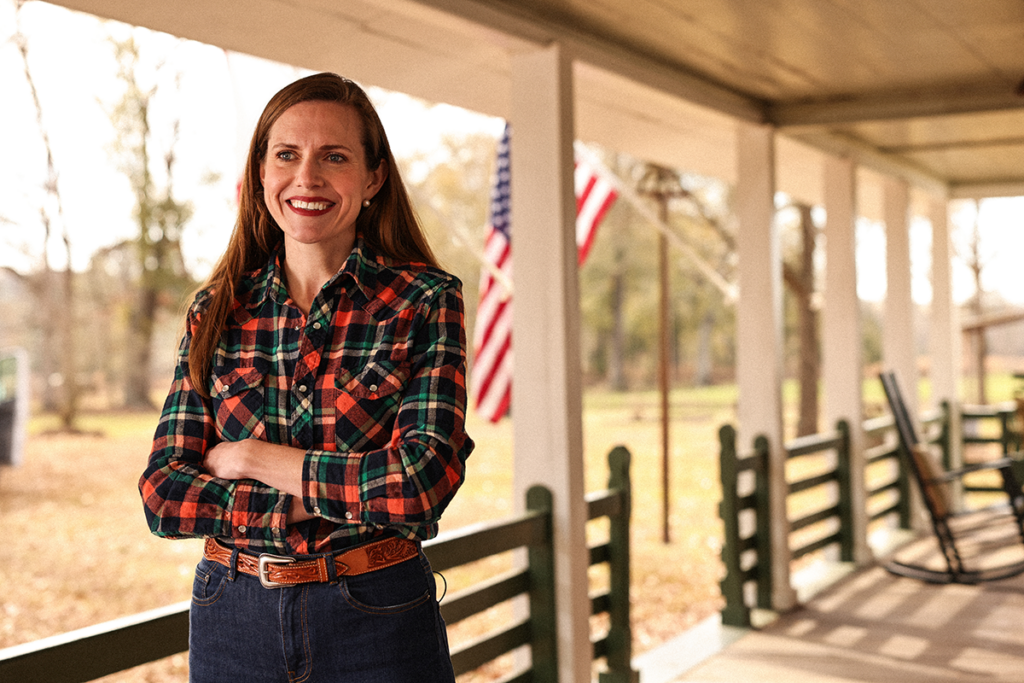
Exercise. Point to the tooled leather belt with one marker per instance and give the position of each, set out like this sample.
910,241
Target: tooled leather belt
275,571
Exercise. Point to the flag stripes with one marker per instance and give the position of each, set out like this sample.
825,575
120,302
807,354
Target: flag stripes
492,335
594,196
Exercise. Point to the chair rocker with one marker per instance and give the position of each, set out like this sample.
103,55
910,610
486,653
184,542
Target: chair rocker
955,530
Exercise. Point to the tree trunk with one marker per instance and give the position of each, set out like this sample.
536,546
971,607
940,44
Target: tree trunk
704,354
140,350
810,363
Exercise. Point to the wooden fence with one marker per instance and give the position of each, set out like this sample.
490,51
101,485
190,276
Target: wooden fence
97,651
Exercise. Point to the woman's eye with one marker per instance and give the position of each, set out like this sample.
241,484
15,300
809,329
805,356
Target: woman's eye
285,155
336,158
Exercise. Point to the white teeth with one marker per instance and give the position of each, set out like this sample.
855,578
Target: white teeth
308,206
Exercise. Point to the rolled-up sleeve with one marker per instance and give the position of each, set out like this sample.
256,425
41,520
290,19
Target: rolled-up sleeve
181,499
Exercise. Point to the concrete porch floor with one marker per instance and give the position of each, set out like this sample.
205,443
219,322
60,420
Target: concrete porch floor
870,627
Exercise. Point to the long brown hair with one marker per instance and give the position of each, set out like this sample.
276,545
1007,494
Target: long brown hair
389,225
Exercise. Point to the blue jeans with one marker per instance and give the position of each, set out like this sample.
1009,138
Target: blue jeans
380,627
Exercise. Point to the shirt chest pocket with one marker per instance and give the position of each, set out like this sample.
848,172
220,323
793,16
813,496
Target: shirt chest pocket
238,403
367,403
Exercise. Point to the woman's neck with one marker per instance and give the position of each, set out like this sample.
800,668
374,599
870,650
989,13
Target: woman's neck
306,270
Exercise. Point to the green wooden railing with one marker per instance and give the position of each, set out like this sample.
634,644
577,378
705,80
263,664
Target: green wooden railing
745,505
615,503
835,475
746,551
97,651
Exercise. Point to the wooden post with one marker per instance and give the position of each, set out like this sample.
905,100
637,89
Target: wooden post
543,619
620,634
759,332
547,403
841,339
735,612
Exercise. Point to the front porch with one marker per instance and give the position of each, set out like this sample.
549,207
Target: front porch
869,627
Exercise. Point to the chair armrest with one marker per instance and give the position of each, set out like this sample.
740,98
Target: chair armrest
951,475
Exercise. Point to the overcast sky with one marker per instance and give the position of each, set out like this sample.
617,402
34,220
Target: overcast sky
218,98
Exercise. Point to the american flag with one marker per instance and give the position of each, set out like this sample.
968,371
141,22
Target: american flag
492,336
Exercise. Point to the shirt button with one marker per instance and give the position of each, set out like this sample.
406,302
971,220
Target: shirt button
373,387
302,388
242,528
316,326
348,515
316,510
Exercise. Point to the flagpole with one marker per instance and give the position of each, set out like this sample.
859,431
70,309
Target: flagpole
713,276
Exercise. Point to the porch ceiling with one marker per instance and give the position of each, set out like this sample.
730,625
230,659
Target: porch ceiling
926,89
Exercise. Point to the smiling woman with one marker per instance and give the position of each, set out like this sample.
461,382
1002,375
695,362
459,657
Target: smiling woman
315,428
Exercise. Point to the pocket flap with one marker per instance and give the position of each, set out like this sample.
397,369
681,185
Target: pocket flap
237,381
376,380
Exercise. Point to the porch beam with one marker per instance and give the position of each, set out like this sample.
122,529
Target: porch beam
972,99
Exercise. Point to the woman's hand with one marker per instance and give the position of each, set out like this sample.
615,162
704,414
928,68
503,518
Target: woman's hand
273,464
227,460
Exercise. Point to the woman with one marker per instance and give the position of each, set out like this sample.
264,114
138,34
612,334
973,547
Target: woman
315,429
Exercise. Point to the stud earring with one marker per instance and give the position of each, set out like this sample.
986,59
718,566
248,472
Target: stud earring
366,202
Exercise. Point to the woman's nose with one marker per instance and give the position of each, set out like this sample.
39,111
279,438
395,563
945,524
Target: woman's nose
309,173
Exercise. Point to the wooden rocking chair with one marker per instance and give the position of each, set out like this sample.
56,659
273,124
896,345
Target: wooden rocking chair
955,530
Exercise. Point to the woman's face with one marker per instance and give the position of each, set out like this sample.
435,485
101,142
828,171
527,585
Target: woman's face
315,176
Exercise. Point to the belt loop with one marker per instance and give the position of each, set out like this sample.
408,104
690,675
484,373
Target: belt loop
332,568
233,564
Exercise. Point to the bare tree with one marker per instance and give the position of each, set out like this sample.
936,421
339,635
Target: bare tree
160,219
976,263
55,293
801,282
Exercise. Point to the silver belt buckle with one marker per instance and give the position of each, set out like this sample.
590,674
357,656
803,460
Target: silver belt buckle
264,568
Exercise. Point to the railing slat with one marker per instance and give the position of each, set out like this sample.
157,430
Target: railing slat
477,541
600,602
100,650
814,518
812,444
606,503
485,595
812,482
600,553
478,652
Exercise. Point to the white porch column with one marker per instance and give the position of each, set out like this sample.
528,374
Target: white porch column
898,350
842,364
944,336
759,330
546,390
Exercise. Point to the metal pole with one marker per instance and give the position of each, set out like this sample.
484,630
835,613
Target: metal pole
661,185
663,373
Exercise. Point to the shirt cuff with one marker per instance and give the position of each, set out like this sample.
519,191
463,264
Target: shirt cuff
258,513
332,486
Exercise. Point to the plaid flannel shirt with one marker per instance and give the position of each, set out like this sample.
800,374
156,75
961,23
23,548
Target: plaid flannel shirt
371,384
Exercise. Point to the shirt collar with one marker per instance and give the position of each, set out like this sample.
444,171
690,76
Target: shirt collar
358,274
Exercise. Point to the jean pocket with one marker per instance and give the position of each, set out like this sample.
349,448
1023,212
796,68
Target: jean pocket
388,591
210,580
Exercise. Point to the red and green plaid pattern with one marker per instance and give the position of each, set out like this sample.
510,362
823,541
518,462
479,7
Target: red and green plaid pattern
371,385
